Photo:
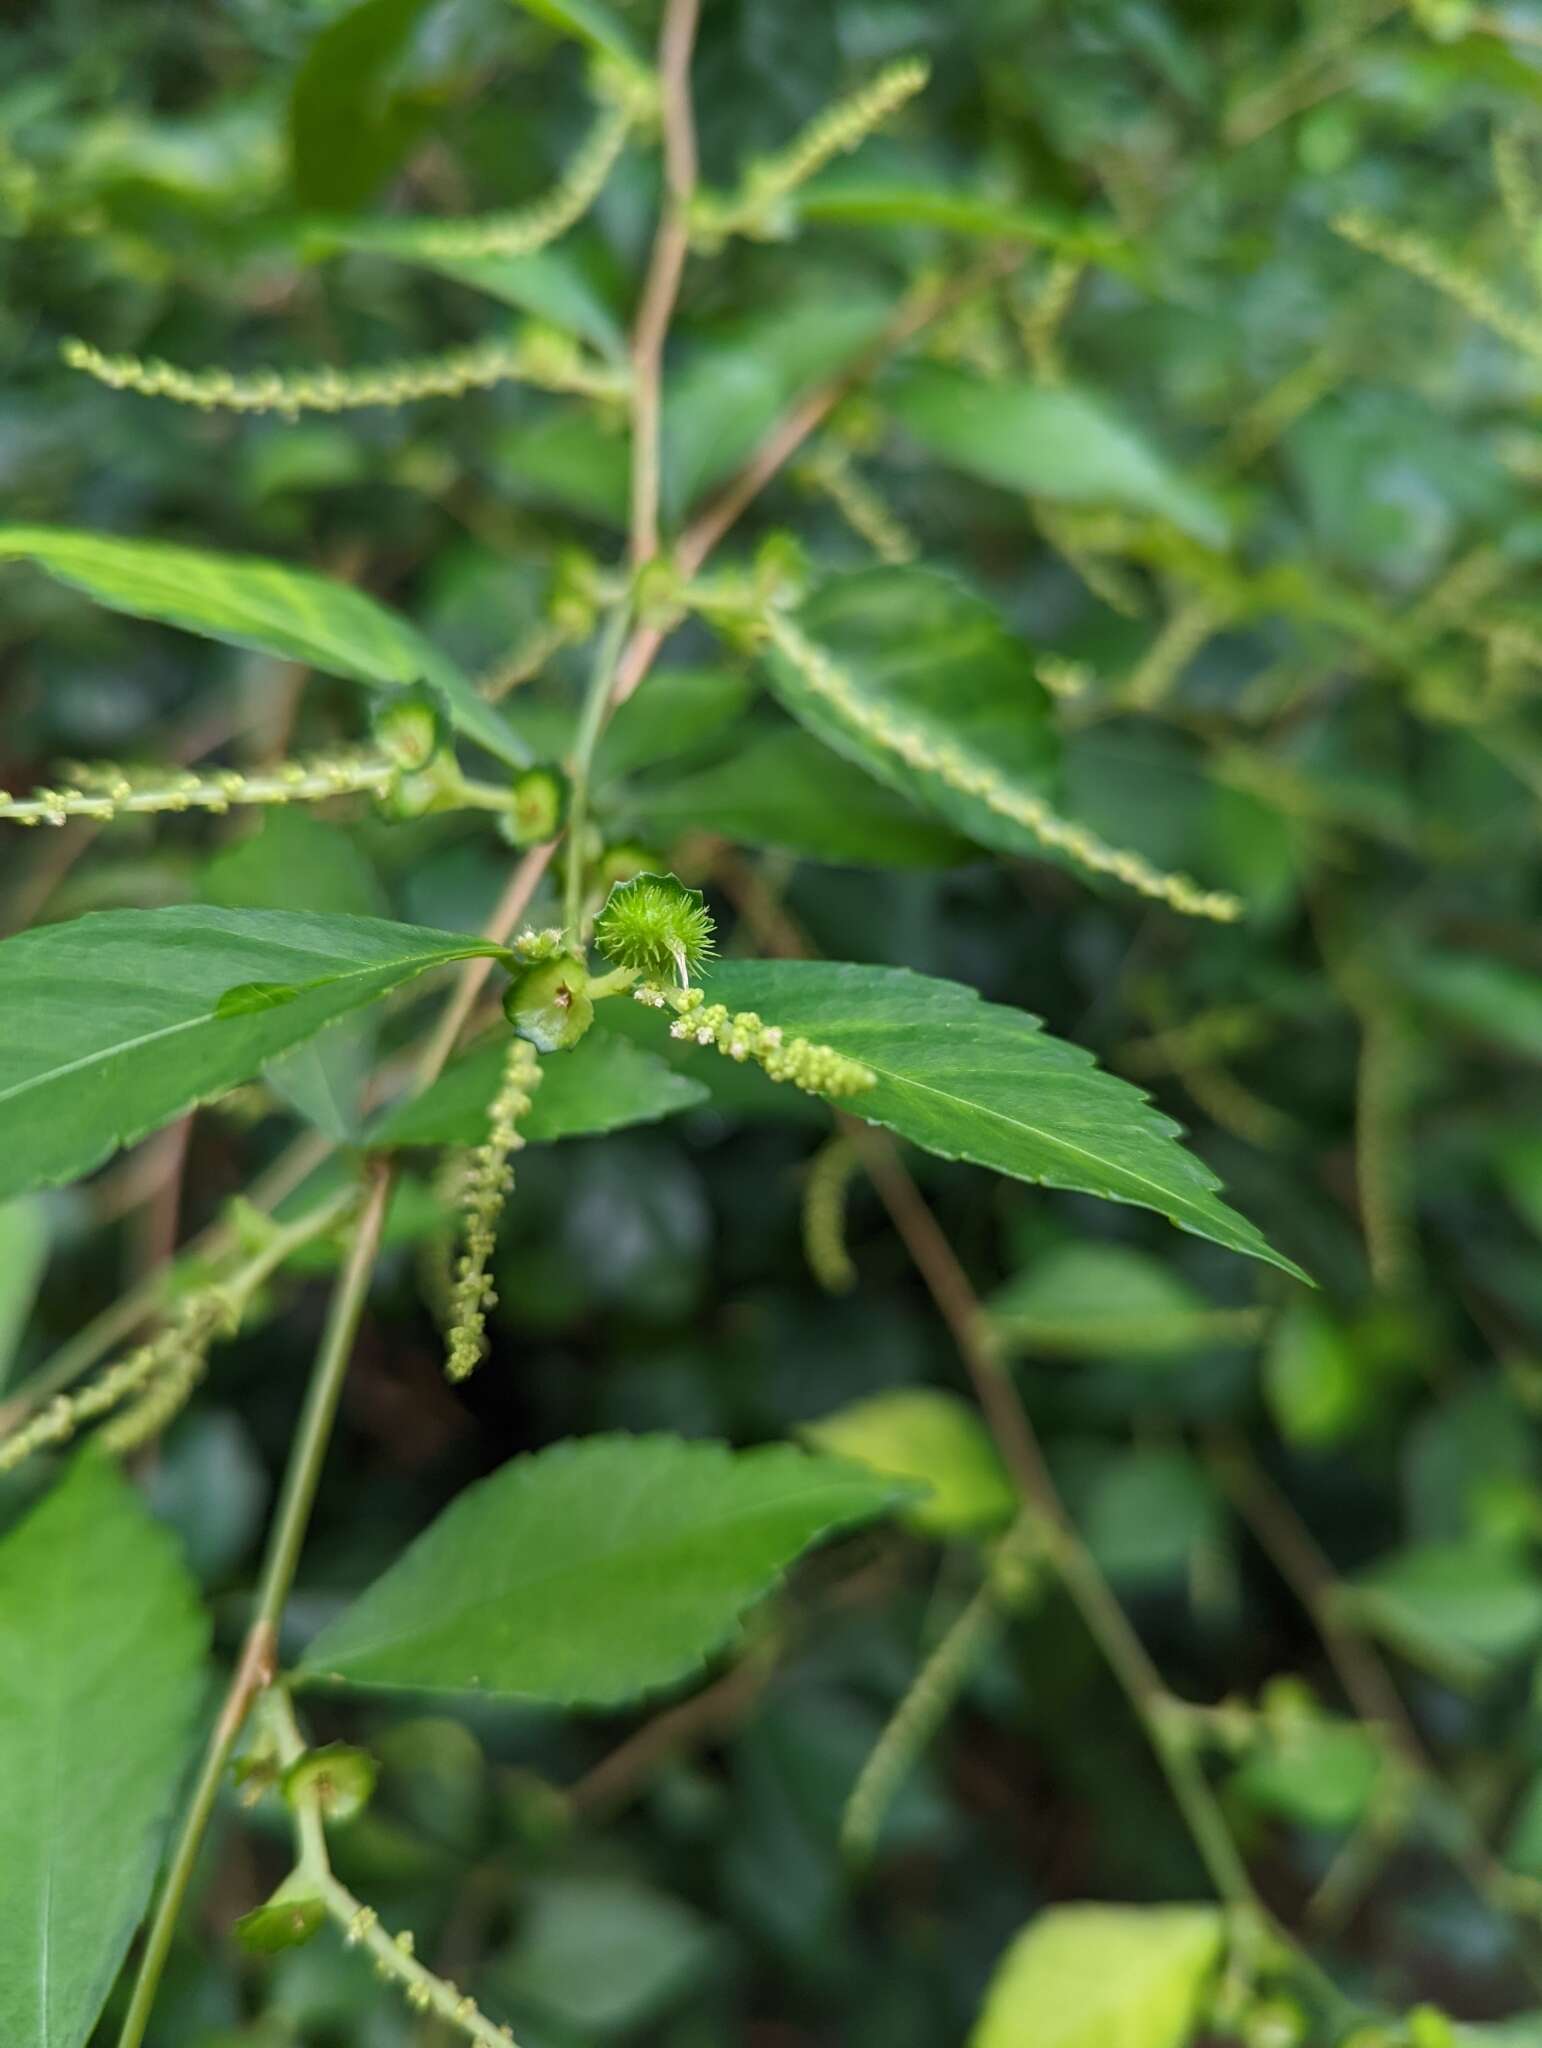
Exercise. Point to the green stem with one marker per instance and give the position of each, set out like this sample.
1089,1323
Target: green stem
591,720
392,1954
254,1671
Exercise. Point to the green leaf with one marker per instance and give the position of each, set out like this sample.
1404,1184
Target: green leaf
294,861
787,792
923,655
1103,1977
1461,1609
733,387
846,202
924,1434
1104,1301
101,1678
587,21
976,1081
23,1255
546,282
1489,997
1318,1387
566,456
1047,441
247,602
603,1956
604,1084
1313,1768
594,1571
347,128
117,1022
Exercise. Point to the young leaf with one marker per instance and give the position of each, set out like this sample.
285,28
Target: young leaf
247,602
924,1434
594,1571
589,22
116,1022
786,791
101,1678
917,681
973,1080
1103,1977
1106,1301
1048,441
347,129
604,1084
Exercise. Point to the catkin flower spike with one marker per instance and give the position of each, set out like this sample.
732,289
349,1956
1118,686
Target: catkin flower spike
825,1185
760,207
537,356
1423,260
742,1035
527,228
104,793
487,1183
157,1375
831,471
975,778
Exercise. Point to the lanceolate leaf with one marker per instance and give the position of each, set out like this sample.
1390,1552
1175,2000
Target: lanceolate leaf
116,1022
788,792
99,1682
247,602
1103,1977
603,1084
916,679
920,655
1048,441
593,1571
973,1080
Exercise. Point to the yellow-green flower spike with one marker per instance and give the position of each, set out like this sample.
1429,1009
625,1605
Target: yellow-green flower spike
742,1035
489,1178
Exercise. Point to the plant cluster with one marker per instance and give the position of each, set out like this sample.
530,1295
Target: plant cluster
987,511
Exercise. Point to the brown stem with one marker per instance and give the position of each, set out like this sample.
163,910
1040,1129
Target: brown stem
510,908
665,267
785,439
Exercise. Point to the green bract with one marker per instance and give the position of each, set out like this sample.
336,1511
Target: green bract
656,927
550,1005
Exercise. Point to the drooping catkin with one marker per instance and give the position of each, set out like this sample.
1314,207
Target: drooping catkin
743,1036
486,1185
974,777
540,357
524,229
106,791
760,207
825,1184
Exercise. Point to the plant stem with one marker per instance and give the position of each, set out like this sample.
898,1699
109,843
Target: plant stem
289,1171
591,719
787,436
677,33
255,1666
510,908
953,1293
393,1955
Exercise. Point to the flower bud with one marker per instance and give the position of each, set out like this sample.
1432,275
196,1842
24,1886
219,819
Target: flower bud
538,805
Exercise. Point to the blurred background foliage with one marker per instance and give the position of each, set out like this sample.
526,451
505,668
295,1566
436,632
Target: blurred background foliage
1282,583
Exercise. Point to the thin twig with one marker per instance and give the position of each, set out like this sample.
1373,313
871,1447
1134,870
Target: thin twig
257,1662
510,908
665,267
783,441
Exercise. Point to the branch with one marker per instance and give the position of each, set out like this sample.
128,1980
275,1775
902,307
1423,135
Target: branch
256,1665
665,266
